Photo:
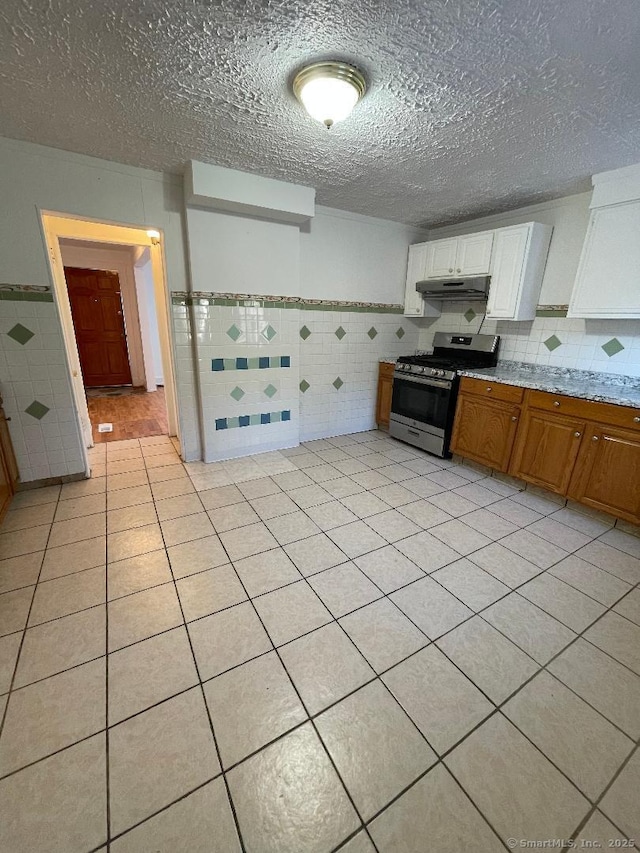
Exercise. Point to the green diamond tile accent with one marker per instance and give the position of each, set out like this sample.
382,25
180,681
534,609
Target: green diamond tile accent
237,393
20,333
373,332
304,386
340,333
270,390
304,333
269,333
400,333
234,332
612,347
552,343
469,315
337,383
37,410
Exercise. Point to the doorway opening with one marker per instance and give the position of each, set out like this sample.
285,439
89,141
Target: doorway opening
110,289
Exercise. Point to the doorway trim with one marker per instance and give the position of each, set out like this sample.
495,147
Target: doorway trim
60,225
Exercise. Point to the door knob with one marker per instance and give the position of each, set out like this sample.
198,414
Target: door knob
514,418
636,420
489,388
556,403
594,438
577,434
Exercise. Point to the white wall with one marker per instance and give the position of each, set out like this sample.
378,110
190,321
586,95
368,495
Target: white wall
143,274
569,217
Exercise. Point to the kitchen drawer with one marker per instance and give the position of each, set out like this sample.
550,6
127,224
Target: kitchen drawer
491,390
386,369
588,410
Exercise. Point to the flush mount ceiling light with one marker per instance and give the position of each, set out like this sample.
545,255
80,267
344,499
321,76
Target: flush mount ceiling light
329,90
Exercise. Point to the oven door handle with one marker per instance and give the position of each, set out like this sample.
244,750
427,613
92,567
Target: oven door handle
422,380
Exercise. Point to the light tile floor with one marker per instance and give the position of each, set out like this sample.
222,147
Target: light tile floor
347,645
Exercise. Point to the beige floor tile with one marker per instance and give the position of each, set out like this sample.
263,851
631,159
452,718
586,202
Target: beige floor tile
367,479
142,615
123,466
356,539
514,512
630,544
375,746
315,554
567,604
325,666
222,496
176,507
14,608
427,552
539,500
424,514
391,525
58,805
538,551
342,487
157,446
67,595
210,591
252,705
273,505
605,684
75,557
54,713
200,823
130,517
620,803
440,700
246,541
364,504
28,517
434,610
36,497
292,527
175,739
309,496
16,572
161,460
488,523
383,634
624,566
59,645
126,481
584,523
137,573
630,606
360,843
291,611
178,530
388,568
460,536
521,794
619,638
132,496
77,530
79,507
559,534
9,648
454,504
394,495
422,487
495,664
116,452
131,543
196,556
171,487
344,588
505,565
148,672
331,514
537,633
260,488
323,472
231,517
598,584
437,809
473,586
16,544
226,639
599,833
577,739
267,571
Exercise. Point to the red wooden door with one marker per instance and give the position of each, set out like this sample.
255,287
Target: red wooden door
96,308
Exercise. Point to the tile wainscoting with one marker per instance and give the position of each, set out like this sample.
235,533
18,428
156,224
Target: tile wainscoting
34,383
603,346
310,365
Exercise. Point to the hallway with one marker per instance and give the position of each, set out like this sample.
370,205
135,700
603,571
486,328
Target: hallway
134,413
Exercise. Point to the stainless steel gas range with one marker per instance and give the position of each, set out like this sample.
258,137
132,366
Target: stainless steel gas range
425,388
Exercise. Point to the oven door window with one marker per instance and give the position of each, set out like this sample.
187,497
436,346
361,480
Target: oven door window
425,403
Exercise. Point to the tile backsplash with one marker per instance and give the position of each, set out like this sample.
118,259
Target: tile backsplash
604,346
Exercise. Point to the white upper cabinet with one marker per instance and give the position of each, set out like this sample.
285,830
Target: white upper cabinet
414,304
608,279
460,256
517,268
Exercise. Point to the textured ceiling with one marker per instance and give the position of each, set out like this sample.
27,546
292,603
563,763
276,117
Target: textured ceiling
474,106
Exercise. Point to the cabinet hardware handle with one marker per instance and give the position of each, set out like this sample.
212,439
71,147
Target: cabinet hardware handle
489,388
636,420
458,270
556,403
514,418
7,419
594,438
450,269
577,434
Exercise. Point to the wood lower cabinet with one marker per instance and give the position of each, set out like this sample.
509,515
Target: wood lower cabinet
607,472
8,466
485,430
546,449
385,391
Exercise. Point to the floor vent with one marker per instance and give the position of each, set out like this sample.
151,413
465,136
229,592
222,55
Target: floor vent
105,427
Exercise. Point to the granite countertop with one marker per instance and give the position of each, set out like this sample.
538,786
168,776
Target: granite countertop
599,387
388,359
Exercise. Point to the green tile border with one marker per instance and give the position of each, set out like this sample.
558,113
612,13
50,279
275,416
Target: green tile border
25,296
248,301
552,310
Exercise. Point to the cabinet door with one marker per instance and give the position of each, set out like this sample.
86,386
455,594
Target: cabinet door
509,252
484,431
415,272
546,449
383,407
441,258
608,278
473,256
607,474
